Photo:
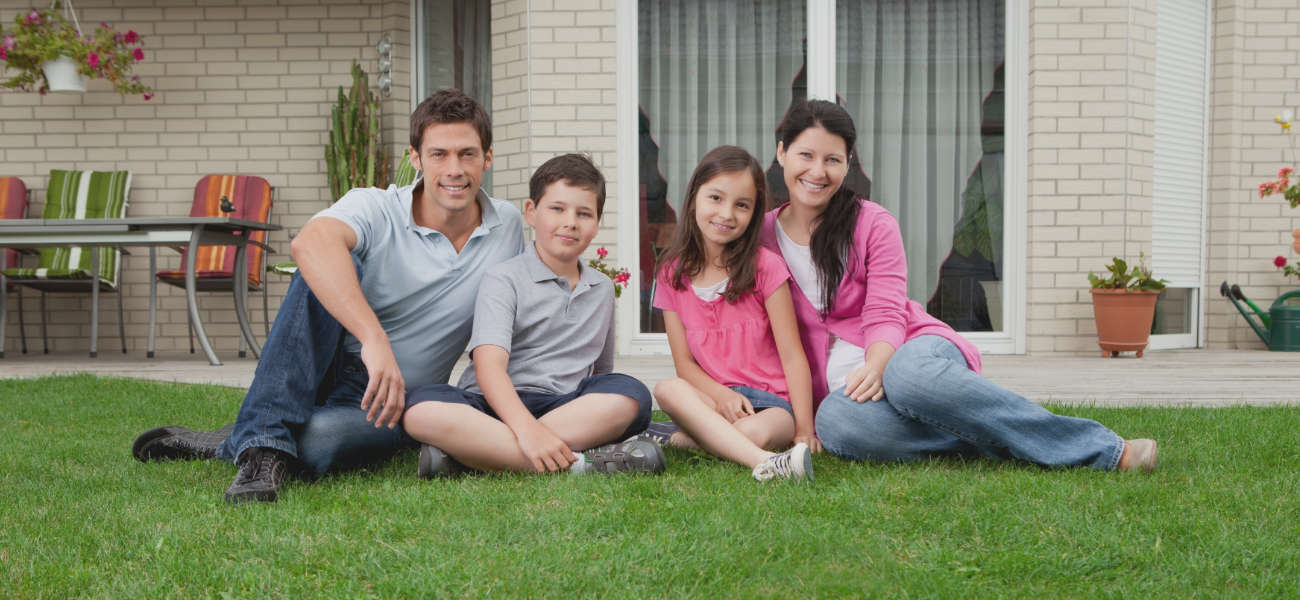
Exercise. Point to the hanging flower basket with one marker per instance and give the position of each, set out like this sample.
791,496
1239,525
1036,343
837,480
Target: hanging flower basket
61,75
46,50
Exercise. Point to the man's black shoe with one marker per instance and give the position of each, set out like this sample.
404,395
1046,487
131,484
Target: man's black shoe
179,443
262,472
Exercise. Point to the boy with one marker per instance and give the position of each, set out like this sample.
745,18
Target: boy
539,394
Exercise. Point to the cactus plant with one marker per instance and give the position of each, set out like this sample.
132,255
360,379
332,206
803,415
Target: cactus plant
355,155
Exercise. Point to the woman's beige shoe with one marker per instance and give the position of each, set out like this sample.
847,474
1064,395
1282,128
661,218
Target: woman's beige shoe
1141,455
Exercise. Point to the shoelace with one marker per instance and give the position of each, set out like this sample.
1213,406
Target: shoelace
776,465
265,462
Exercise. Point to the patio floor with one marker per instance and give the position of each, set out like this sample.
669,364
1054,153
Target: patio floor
1160,378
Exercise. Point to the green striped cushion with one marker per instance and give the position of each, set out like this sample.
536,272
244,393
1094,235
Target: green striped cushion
405,174
81,195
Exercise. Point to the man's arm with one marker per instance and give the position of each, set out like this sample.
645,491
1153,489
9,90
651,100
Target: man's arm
323,253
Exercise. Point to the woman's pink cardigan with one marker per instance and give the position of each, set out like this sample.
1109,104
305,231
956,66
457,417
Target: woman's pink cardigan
871,304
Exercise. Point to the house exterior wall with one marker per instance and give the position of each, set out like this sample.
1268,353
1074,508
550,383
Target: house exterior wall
240,87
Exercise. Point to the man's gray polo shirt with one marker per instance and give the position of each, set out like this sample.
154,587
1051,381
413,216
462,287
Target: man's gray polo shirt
555,337
421,289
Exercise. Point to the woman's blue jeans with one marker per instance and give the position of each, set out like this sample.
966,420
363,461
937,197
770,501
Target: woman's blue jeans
935,405
305,398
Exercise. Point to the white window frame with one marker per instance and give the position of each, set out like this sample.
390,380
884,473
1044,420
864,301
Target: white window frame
821,84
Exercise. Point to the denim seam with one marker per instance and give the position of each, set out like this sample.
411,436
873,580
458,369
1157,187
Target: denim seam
267,442
1116,454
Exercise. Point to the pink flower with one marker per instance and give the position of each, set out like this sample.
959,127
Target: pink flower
4,54
148,95
1285,172
622,277
132,37
1279,262
34,17
104,25
9,42
118,37
138,54
93,60
602,252
1266,188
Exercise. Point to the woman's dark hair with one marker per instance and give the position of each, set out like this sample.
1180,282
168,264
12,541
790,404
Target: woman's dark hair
740,255
832,239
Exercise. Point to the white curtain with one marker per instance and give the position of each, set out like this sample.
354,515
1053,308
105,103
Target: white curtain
913,73
715,72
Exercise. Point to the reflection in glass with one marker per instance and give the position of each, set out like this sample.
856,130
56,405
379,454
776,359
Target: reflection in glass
923,80
1173,311
711,73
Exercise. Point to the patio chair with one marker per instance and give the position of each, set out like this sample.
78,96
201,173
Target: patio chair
245,197
14,200
80,195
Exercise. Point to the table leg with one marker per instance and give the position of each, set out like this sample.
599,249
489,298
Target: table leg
4,299
94,301
241,298
191,298
153,297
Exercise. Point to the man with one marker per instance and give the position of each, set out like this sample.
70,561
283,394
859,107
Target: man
385,299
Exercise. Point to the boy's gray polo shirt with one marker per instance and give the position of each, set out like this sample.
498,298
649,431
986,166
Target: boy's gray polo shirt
421,289
555,337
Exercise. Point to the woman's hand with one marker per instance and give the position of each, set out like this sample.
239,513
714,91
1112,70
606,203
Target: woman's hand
864,383
809,438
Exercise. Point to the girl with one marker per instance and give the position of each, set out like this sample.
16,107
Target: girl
742,383
902,385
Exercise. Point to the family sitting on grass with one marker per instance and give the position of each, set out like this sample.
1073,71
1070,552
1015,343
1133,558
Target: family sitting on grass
790,331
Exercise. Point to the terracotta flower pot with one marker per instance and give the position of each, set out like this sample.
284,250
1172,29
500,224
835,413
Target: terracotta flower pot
1123,319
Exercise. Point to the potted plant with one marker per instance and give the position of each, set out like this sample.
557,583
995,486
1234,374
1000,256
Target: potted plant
1124,305
354,154
50,53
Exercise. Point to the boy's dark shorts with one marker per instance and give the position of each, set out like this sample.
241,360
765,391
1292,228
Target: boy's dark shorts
762,399
540,403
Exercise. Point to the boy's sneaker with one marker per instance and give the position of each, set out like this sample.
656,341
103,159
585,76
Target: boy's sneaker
435,463
179,443
636,456
658,432
261,475
795,463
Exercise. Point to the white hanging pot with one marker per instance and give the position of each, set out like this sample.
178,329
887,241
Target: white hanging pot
62,75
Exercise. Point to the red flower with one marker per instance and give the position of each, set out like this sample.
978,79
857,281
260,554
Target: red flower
132,37
622,277
1279,262
93,60
4,54
148,95
602,252
138,54
34,17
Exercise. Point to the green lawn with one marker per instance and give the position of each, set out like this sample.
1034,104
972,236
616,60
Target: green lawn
81,518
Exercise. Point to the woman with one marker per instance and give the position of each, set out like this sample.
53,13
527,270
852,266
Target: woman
902,385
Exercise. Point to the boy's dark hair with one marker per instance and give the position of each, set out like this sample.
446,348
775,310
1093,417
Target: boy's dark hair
741,255
450,106
575,169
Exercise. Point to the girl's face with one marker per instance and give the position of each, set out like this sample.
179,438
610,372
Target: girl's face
724,207
815,166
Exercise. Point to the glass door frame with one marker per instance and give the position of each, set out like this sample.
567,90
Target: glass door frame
821,84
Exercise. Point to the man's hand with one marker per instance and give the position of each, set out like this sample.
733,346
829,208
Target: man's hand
733,406
864,383
385,395
544,449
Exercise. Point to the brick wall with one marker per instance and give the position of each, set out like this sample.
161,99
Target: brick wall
553,90
1256,74
242,87
1091,103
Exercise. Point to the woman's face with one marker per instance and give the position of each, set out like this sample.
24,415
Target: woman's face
815,165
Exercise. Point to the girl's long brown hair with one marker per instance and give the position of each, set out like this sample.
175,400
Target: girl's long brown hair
740,256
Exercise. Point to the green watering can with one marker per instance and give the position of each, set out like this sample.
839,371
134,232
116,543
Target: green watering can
1279,328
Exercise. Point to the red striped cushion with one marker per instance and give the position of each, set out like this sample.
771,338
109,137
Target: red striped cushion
251,196
13,205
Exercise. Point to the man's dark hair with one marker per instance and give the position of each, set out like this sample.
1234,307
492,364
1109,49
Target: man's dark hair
575,169
450,106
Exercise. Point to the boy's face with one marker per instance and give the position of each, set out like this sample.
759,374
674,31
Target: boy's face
452,160
565,222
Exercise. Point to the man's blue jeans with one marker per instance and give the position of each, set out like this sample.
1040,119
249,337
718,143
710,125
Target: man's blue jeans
934,405
305,398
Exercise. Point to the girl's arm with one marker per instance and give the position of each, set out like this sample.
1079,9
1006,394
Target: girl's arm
785,329
728,403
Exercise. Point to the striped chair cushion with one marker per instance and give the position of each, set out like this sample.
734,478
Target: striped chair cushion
81,195
13,205
251,197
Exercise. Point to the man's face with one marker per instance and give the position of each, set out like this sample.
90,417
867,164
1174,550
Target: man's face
452,159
